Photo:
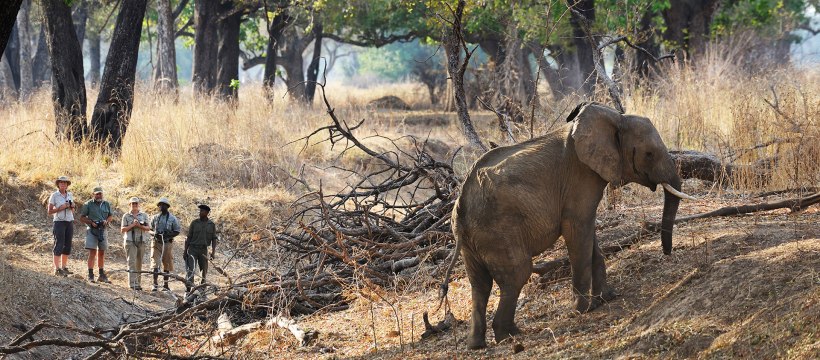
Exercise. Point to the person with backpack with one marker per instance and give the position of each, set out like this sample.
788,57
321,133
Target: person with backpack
61,207
96,214
134,227
166,227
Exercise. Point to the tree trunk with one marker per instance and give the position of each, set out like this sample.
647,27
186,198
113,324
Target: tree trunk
643,62
114,104
41,67
581,19
12,55
80,18
24,34
276,32
206,14
451,40
165,74
687,24
8,13
228,51
292,48
313,69
94,55
67,85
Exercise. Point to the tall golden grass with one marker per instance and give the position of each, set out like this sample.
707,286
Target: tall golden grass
196,145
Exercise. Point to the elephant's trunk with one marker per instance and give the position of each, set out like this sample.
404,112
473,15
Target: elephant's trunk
670,209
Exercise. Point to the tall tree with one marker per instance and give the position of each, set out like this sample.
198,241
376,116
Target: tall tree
80,17
94,57
8,14
12,55
165,74
115,101
313,68
688,23
67,84
206,14
41,64
24,35
582,16
230,19
276,31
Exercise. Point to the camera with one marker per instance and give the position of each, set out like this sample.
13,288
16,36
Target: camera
71,203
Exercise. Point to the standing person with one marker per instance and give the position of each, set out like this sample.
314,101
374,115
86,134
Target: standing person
201,234
96,215
135,233
166,227
61,207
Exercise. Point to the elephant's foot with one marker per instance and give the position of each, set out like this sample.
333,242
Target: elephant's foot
476,342
584,304
609,294
505,332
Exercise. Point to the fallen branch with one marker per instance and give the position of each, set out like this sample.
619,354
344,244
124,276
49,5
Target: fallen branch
304,337
794,205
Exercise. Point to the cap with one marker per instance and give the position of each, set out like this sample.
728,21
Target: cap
97,190
204,207
134,200
63,179
163,200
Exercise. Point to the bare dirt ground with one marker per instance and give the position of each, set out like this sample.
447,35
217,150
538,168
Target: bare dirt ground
743,286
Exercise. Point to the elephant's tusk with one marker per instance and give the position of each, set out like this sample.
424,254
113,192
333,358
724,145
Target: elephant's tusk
679,194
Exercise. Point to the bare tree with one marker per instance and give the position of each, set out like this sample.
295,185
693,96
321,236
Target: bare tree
67,83
165,74
453,41
113,109
227,61
24,34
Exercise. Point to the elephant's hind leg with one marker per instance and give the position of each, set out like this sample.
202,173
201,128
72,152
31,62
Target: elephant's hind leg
510,281
481,284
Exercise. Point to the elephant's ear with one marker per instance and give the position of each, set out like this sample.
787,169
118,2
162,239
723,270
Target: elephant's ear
597,141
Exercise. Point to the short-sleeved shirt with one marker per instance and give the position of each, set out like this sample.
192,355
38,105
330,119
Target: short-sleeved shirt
201,233
96,211
58,200
162,222
135,233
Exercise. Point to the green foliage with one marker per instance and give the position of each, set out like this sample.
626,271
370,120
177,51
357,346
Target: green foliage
770,17
234,85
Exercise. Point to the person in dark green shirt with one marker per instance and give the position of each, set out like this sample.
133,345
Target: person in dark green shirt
201,234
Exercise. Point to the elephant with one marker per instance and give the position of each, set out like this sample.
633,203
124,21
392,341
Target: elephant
517,200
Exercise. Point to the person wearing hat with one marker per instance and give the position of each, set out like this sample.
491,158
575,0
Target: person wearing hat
166,227
61,207
201,234
135,229
96,214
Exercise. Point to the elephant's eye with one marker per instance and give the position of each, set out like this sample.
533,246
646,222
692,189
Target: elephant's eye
649,154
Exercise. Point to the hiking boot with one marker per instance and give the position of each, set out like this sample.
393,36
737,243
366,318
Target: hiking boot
66,271
59,272
155,288
166,287
103,279
138,288
91,278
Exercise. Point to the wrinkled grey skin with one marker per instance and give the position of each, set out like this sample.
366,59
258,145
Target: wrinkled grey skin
517,200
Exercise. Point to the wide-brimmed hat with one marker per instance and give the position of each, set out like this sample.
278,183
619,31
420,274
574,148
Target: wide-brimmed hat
204,207
134,200
164,200
63,179
97,189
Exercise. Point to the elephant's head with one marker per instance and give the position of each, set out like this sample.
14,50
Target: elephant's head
627,148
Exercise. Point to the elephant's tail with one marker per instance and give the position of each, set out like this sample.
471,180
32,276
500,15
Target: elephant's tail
445,285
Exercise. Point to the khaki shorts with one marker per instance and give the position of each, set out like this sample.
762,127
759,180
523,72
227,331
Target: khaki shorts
163,251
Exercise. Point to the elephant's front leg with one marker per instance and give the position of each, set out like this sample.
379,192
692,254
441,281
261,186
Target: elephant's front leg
580,239
600,288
